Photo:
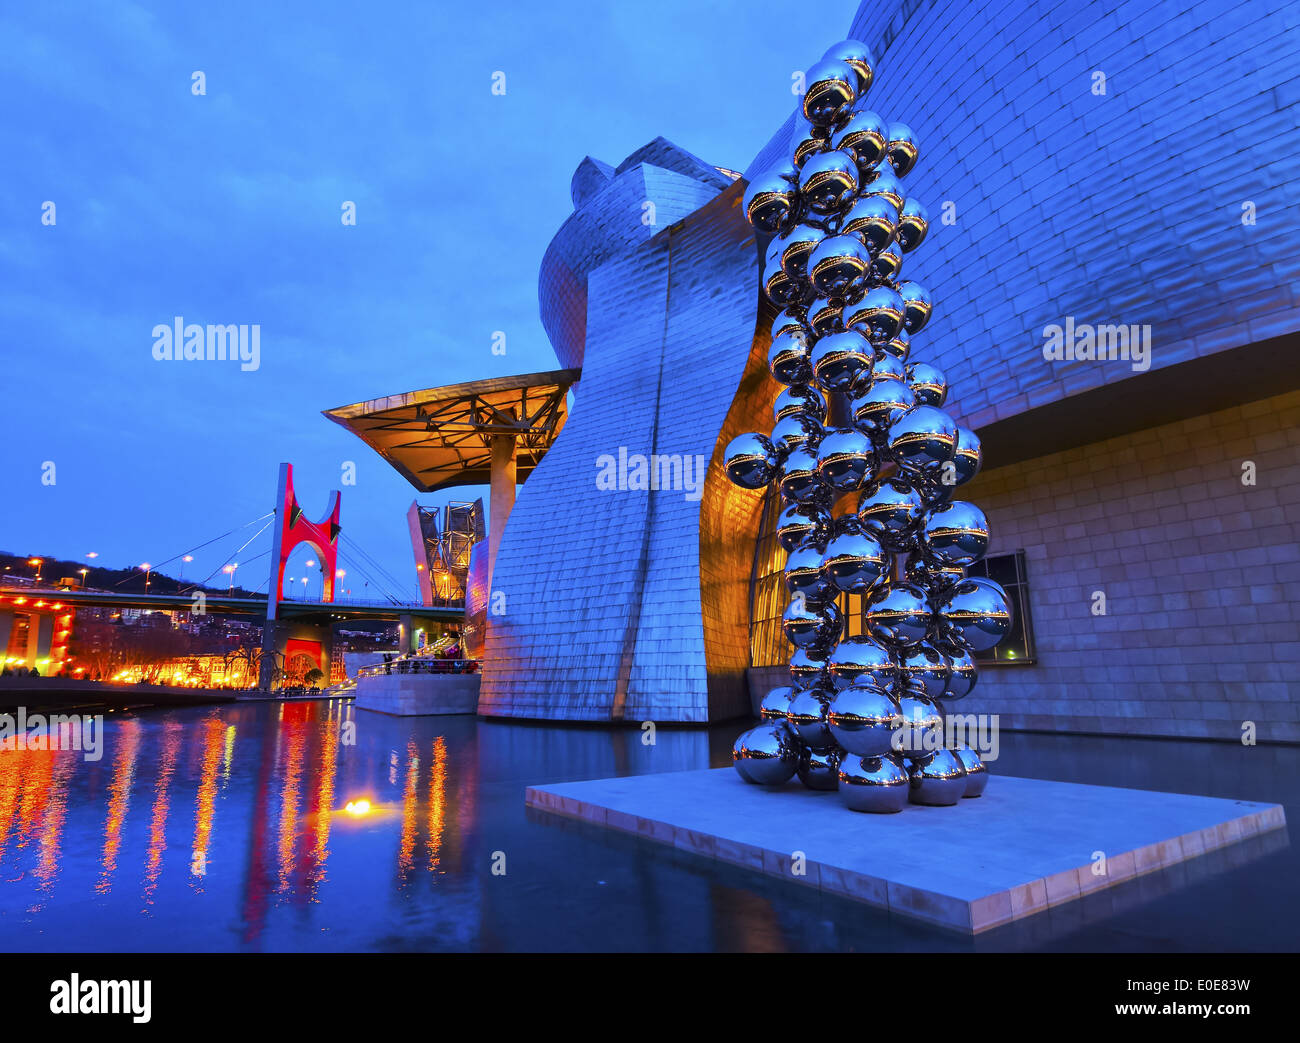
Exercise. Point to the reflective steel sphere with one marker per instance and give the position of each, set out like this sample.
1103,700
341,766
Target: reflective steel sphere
857,56
928,383
923,439
853,561
921,732
807,625
807,668
913,224
863,138
899,346
798,476
886,184
978,612
828,181
863,719
897,614
807,140
891,510
917,305
977,775
927,668
902,148
803,574
766,755
781,290
838,266
938,780
807,718
879,314
838,359
934,577
886,264
872,219
750,461
795,247
787,359
830,91
802,522
798,430
961,678
789,320
886,367
845,459
861,661
955,533
969,456
770,202
804,399
883,402
824,316
819,769
876,784
775,704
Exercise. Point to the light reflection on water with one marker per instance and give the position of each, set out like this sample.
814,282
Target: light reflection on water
227,828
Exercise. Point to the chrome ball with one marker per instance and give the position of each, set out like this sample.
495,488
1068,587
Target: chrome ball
750,461
861,661
770,202
789,320
766,755
891,510
928,383
824,316
961,678
838,266
873,220
885,183
795,247
807,140
803,575
923,439
927,668
807,718
819,769
798,430
857,56
886,265
977,612
969,456
938,780
853,561
977,775
875,784
829,92
802,522
917,305
828,181
845,459
876,408
921,732
798,479
807,625
787,359
864,138
808,668
879,314
899,346
913,224
799,399
783,291
902,150
775,704
934,577
886,367
863,720
955,533
838,359
897,614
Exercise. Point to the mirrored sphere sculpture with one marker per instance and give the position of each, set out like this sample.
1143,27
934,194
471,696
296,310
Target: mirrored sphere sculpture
937,780
807,718
863,719
775,705
819,769
977,775
750,461
767,755
978,612
874,784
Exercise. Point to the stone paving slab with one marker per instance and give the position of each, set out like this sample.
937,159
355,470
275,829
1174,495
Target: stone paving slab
1026,845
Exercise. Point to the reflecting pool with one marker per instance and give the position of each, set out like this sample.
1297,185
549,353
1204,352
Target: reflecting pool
317,826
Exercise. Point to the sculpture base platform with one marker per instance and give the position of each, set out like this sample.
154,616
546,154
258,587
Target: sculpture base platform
1024,846
418,695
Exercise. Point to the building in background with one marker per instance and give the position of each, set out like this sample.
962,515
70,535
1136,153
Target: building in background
1084,168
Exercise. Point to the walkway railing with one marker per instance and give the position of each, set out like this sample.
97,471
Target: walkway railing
421,666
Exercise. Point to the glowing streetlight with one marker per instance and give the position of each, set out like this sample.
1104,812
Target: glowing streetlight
229,570
146,566
83,575
188,557
37,563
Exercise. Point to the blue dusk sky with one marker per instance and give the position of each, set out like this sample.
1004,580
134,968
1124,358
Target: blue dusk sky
226,208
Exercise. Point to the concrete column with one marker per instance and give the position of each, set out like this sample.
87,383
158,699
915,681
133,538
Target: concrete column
40,637
502,501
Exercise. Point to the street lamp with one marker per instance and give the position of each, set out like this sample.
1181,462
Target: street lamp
181,576
311,564
146,566
38,562
229,570
339,574
83,575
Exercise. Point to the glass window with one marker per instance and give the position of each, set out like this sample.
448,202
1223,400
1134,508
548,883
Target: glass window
1008,570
